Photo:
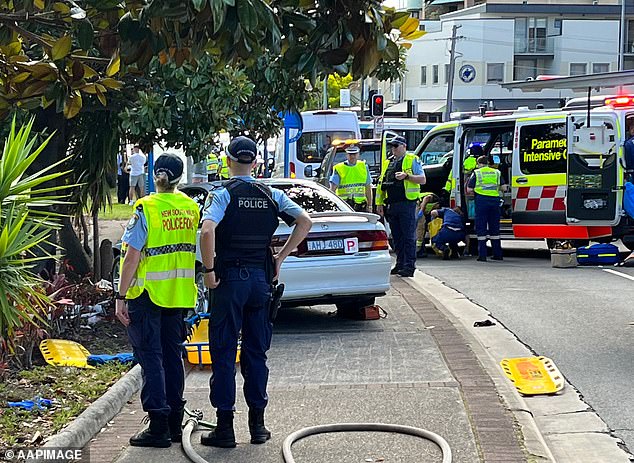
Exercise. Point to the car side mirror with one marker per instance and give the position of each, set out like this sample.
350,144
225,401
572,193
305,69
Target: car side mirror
308,171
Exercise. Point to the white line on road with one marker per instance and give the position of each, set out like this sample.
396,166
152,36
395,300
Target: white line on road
614,272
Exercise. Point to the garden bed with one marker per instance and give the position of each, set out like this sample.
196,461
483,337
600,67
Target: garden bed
70,389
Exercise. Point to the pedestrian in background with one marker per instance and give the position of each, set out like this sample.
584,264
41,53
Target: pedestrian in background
451,233
352,182
397,196
156,286
123,178
238,226
137,174
486,184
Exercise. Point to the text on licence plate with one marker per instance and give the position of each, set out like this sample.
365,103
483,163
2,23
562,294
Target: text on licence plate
348,245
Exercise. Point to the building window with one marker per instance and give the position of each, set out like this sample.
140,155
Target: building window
434,74
495,73
600,67
446,73
578,69
423,76
525,68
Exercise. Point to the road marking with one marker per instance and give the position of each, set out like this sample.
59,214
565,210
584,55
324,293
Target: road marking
614,272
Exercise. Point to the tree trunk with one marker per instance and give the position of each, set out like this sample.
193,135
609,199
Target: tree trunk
96,255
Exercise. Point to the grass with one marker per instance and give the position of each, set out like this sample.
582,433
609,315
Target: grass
72,390
117,212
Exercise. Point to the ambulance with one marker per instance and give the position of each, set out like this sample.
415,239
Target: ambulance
566,169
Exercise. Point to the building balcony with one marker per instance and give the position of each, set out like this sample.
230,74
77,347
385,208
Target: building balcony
542,46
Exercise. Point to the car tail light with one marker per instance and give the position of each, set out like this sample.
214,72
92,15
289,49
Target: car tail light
373,240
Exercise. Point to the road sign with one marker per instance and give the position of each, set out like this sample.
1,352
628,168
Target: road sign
378,127
344,98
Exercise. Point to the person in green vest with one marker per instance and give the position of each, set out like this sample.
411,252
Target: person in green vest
352,182
397,196
486,184
223,166
156,286
213,165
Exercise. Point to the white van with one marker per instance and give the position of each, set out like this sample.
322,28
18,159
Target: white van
321,129
410,128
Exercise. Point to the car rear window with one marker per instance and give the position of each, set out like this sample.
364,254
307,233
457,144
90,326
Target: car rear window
310,199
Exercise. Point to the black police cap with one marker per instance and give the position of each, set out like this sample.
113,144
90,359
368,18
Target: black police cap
243,150
171,165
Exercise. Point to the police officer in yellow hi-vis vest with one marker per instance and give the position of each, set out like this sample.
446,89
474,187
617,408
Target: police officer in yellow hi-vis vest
156,284
486,183
223,168
352,182
397,196
213,165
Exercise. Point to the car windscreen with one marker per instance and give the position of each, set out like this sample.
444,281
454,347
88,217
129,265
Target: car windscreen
310,199
313,146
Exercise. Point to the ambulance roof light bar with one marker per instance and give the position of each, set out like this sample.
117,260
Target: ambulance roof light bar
620,101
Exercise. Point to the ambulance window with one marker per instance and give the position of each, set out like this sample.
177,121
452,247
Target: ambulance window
542,149
437,146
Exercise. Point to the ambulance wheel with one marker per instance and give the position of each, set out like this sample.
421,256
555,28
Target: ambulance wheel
628,242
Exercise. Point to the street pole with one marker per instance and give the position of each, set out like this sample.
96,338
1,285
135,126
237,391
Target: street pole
325,96
622,37
452,71
362,98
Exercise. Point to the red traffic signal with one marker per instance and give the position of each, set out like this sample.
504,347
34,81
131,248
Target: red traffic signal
376,108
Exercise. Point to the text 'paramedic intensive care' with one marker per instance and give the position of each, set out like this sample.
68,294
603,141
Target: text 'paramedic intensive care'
546,150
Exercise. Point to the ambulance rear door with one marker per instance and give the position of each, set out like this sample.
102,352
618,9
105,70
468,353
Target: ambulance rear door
538,184
594,194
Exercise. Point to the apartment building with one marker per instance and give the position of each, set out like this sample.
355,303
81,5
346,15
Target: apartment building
500,41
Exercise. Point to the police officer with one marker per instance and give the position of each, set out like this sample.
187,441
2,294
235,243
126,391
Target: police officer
213,165
396,198
486,183
223,167
352,182
156,284
238,224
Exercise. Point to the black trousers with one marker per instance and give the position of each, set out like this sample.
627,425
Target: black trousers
157,335
123,185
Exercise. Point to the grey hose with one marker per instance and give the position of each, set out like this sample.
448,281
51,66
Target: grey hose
287,455
190,425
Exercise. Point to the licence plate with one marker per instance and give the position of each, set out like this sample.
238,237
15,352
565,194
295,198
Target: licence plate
325,245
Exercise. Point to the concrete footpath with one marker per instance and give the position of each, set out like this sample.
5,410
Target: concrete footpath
412,368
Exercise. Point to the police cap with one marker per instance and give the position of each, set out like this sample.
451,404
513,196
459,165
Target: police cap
352,149
243,150
396,141
169,164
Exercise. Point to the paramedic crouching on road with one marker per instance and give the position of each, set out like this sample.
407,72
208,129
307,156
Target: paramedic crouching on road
352,182
238,225
486,183
396,197
157,281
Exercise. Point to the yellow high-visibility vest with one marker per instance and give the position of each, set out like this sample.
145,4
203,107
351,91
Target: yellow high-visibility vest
412,190
224,168
168,260
352,181
487,181
212,164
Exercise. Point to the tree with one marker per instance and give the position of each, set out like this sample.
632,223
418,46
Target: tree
335,84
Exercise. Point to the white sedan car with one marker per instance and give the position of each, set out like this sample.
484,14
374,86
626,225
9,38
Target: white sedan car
343,261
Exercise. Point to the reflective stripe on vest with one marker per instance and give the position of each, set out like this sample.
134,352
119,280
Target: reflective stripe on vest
412,190
224,167
487,182
167,266
352,181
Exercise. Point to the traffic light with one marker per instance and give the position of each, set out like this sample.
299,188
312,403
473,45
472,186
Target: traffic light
376,108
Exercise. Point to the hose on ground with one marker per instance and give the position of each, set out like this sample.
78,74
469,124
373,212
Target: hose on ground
192,422
287,455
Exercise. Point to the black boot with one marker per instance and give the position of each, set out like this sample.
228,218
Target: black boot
259,433
223,436
156,435
175,423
